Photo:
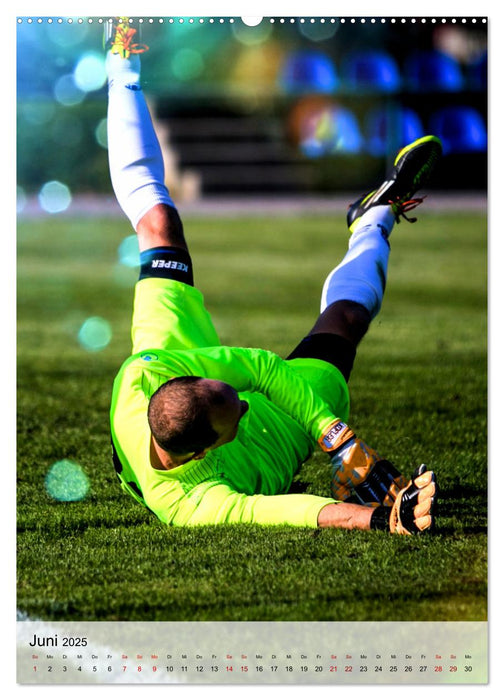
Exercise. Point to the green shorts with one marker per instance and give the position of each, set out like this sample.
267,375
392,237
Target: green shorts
171,315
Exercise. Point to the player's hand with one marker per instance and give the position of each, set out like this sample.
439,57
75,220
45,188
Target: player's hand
413,510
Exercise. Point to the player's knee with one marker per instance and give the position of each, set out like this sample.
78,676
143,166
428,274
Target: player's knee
345,318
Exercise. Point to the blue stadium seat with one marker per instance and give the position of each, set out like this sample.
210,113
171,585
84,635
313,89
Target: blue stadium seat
478,72
335,131
432,71
461,129
370,71
308,71
387,130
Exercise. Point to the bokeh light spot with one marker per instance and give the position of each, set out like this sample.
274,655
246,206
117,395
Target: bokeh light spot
21,199
101,134
54,197
67,481
66,34
89,73
37,113
66,91
94,334
128,252
187,64
251,34
318,31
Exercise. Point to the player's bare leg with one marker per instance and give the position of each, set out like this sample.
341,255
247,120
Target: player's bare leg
161,226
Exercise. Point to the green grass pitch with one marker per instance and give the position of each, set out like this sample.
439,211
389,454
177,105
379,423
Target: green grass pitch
418,395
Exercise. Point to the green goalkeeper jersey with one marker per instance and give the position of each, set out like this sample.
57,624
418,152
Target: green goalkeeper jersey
247,479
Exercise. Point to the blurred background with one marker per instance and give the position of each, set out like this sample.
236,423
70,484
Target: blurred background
292,106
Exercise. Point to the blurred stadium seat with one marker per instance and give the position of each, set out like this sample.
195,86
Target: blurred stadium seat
432,71
461,129
386,130
308,71
478,73
375,71
332,131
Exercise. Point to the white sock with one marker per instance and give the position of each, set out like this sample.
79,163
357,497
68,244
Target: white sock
135,158
362,274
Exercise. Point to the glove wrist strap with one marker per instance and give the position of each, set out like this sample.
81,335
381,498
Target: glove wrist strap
380,518
336,435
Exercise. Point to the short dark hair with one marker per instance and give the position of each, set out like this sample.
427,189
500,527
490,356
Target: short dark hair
179,413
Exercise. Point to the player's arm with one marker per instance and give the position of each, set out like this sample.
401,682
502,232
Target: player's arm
247,369
216,502
358,472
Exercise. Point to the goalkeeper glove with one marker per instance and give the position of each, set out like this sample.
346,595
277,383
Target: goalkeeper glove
359,473
413,509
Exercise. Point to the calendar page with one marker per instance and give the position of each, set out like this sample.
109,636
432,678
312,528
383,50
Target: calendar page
252,349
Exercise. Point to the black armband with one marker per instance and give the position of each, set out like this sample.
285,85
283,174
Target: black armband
166,262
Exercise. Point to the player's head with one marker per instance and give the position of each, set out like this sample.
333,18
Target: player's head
188,416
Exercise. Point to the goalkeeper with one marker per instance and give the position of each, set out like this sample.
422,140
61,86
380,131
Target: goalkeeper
206,434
